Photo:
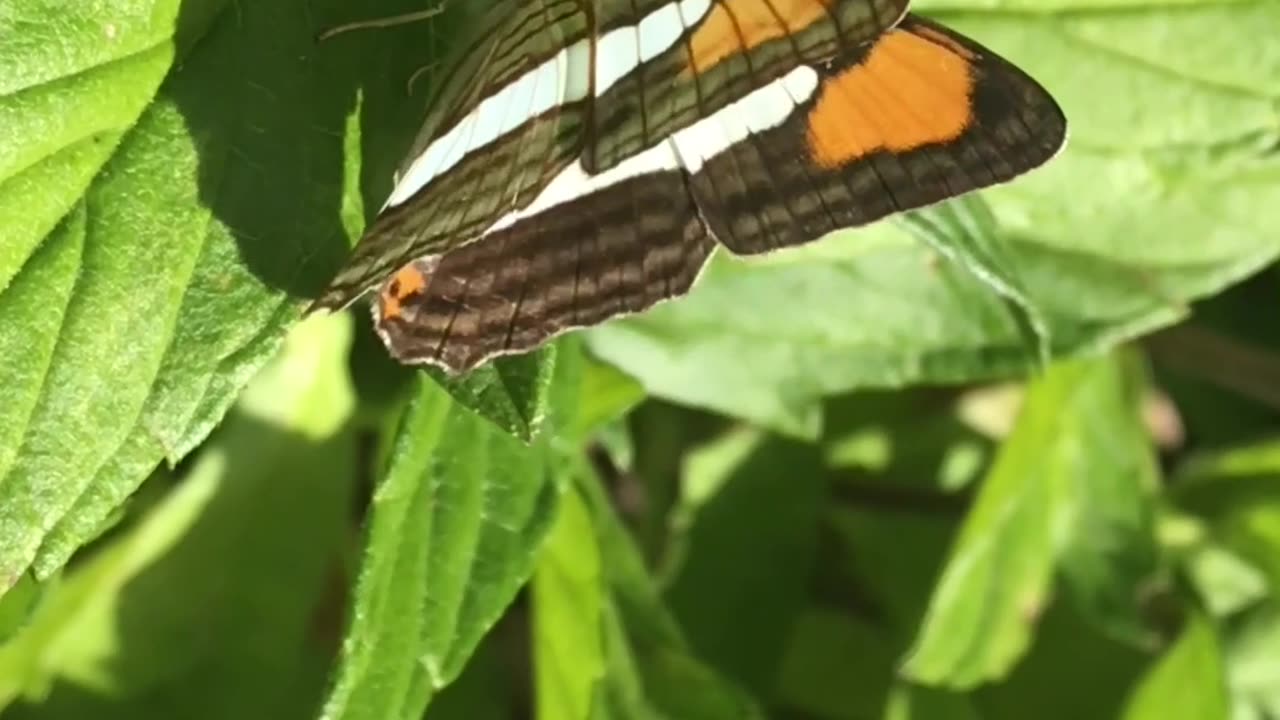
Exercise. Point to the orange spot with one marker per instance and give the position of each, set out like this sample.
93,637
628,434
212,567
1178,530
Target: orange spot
408,281
737,26
912,90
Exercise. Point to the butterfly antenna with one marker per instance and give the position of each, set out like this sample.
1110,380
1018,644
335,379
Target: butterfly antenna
429,68
386,22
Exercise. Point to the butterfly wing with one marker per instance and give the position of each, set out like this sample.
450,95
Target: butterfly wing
518,91
634,241
682,62
922,115
550,81
789,125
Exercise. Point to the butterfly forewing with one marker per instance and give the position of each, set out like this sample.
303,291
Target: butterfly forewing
922,115
685,61
509,118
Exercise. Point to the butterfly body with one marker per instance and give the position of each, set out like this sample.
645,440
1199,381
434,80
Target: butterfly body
586,157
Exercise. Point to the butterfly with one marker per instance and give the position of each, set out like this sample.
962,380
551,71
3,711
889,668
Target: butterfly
584,158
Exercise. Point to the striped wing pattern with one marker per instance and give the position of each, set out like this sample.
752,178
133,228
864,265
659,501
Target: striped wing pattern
725,50
463,170
587,155
555,271
840,161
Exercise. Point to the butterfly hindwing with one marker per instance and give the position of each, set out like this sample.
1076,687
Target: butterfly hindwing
620,250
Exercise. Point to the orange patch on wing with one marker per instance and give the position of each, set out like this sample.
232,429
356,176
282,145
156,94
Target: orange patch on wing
911,90
737,26
408,281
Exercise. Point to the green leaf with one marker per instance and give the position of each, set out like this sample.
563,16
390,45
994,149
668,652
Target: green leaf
515,393
456,523
750,517
607,395
178,180
1236,493
1071,485
17,607
1109,560
1253,667
1187,682
964,231
76,79
604,645
1225,582
766,341
1168,191
1067,645
164,258
208,606
569,634
510,392
820,677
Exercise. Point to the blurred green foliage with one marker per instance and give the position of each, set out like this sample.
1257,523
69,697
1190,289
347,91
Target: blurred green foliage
1017,455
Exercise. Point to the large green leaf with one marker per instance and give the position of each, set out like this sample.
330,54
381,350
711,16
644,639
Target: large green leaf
208,606
68,93
1070,486
1107,557
165,222
1169,189
454,527
160,276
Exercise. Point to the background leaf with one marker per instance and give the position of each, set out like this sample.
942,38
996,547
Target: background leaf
1188,681
569,634
1078,430
754,536
162,288
604,645
252,536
